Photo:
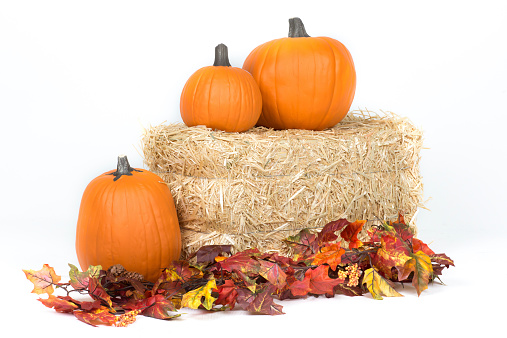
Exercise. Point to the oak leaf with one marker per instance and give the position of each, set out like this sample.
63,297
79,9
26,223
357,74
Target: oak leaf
193,299
378,285
43,279
420,265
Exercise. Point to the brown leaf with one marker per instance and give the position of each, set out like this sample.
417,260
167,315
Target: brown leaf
273,273
207,253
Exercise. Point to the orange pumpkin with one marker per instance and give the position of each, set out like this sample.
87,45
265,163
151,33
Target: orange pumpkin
128,217
306,82
221,97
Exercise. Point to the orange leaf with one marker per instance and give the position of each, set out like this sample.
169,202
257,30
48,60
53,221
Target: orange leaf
97,316
43,280
330,254
59,304
350,233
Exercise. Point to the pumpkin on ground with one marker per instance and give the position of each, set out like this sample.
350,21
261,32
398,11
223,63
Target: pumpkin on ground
221,97
306,82
127,216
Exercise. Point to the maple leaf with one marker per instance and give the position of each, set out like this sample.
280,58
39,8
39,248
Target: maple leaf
378,285
59,304
242,262
97,292
393,253
442,259
193,299
79,280
157,307
418,245
273,273
327,234
260,302
43,279
350,233
346,290
303,244
181,271
207,253
227,294
96,316
420,265
316,281
330,254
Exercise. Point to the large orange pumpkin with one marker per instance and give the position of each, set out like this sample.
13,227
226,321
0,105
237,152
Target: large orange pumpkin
128,217
221,97
306,82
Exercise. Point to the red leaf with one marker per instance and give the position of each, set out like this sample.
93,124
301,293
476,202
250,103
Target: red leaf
273,273
97,292
316,281
157,307
261,302
327,234
418,245
242,262
350,233
303,244
227,294
59,304
96,317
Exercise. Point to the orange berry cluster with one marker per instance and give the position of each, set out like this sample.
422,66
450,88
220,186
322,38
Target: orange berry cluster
354,274
126,318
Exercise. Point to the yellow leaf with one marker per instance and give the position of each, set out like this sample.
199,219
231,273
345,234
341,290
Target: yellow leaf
193,299
378,285
43,280
420,265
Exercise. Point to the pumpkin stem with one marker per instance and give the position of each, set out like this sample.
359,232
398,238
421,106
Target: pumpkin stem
297,29
123,168
221,56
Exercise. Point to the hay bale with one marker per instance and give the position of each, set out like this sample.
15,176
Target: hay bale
255,188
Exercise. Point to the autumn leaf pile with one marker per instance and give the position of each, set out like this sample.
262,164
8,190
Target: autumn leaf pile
251,280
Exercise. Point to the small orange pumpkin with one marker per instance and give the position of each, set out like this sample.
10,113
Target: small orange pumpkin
306,82
221,97
128,217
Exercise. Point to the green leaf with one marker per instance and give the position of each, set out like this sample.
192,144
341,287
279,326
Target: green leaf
80,280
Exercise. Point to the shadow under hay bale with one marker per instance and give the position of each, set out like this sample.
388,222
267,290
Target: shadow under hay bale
255,188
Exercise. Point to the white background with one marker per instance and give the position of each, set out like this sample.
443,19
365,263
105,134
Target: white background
80,80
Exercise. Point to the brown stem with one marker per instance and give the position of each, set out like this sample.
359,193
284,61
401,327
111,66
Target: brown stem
297,29
221,56
123,168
